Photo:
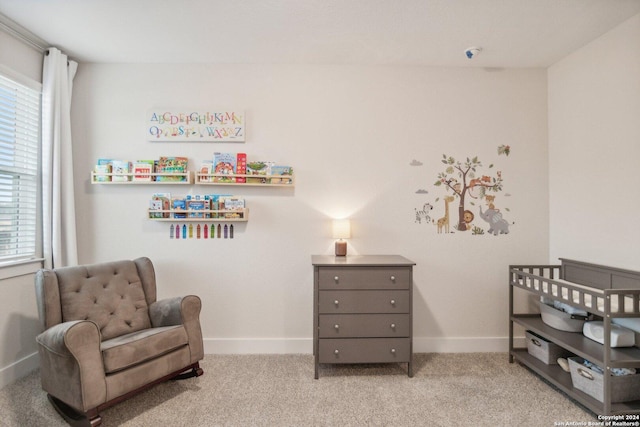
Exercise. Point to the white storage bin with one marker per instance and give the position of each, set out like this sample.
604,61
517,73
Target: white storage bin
544,350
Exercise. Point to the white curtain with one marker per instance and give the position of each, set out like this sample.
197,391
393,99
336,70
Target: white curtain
58,203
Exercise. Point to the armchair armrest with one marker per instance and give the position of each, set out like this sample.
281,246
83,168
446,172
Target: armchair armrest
71,364
174,311
181,311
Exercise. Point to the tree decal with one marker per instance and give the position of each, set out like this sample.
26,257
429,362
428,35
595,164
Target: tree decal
463,179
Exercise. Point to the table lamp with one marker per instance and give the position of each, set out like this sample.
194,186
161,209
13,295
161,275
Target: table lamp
341,230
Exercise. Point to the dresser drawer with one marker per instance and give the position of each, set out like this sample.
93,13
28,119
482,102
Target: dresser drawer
364,277
364,325
335,302
364,350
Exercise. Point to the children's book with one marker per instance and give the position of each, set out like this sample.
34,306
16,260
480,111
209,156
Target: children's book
142,170
121,167
155,205
103,166
160,201
172,165
224,164
197,203
217,203
207,207
241,167
206,168
257,170
179,207
283,173
233,203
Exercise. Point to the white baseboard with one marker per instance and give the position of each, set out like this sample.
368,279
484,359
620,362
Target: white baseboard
258,346
305,345
19,369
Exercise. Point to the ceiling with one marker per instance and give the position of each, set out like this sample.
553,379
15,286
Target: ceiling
511,33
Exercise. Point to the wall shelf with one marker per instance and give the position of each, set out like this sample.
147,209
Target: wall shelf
186,178
194,178
269,180
240,215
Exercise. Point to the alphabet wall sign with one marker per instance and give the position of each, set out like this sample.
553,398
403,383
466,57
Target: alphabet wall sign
195,125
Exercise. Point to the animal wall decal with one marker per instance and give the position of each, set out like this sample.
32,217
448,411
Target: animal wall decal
497,225
466,181
423,214
443,223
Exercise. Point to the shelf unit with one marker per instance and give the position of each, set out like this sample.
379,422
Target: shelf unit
270,180
186,178
243,215
564,282
191,178
200,179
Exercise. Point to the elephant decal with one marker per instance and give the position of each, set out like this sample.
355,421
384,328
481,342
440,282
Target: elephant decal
497,225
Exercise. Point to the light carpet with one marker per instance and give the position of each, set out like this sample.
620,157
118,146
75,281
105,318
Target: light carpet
448,389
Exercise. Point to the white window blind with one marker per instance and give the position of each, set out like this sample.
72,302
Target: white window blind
19,171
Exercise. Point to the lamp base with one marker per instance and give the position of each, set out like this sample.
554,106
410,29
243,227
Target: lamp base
341,248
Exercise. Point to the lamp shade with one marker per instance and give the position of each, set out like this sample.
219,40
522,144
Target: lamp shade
341,229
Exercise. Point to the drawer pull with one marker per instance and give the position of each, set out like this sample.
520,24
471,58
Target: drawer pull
393,351
393,326
336,302
393,302
536,342
393,278
336,279
336,352
336,326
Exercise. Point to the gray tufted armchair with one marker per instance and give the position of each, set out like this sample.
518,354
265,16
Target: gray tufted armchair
106,337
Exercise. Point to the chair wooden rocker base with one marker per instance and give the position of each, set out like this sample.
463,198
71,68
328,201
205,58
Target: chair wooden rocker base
92,418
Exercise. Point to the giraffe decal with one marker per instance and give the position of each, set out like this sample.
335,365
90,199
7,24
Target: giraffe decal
443,223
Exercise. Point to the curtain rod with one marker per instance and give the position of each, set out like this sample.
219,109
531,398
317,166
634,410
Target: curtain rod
18,31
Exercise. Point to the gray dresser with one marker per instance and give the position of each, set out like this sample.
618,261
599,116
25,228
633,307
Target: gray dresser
362,309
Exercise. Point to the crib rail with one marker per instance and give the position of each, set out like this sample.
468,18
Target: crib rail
545,280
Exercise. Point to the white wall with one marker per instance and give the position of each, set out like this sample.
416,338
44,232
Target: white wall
350,133
18,314
594,146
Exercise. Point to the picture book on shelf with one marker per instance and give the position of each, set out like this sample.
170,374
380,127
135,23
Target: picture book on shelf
160,201
198,203
241,167
233,203
216,204
206,169
257,170
155,205
142,170
283,173
121,167
179,207
103,166
176,165
224,164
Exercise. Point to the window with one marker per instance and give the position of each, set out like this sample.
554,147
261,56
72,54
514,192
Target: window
19,167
